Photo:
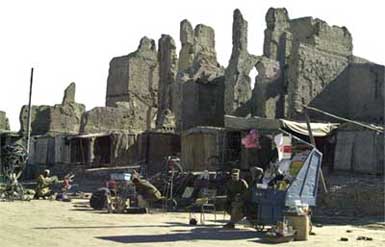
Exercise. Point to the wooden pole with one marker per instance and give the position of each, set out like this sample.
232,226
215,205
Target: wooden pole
312,140
29,113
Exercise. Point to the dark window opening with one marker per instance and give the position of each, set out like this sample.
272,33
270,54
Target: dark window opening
233,146
102,150
80,150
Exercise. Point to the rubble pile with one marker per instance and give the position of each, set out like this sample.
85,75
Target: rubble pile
352,196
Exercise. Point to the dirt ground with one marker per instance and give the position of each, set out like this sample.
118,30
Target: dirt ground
53,223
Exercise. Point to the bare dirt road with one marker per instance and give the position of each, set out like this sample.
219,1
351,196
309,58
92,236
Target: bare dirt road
73,224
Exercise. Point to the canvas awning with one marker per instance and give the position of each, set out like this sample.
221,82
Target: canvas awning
241,123
318,129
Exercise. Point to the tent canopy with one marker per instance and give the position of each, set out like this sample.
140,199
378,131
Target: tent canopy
240,123
318,129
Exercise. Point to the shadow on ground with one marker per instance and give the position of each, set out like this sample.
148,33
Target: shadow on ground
200,233
168,224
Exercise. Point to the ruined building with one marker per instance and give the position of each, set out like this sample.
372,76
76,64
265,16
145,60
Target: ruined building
304,61
154,95
134,79
316,67
238,91
64,118
4,124
199,85
168,63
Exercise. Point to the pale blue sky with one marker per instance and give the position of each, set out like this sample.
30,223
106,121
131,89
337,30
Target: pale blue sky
74,40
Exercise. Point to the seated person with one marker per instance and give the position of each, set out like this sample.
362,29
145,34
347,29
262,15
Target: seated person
235,190
44,183
147,192
242,205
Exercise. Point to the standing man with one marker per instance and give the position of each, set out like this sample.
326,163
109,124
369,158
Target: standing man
235,190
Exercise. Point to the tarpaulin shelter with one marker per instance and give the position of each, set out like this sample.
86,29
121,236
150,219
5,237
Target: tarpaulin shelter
265,124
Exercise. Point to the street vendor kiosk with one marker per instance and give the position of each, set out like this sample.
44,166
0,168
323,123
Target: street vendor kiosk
270,202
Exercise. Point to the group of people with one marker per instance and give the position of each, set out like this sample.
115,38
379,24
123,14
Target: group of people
147,192
238,192
45,182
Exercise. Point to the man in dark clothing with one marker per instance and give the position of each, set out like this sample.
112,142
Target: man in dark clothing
235,190
235,187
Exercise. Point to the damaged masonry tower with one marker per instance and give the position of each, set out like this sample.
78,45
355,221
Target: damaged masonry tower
238,91
134,79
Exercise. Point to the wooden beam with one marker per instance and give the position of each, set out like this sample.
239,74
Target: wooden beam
378,129
312,140
28,139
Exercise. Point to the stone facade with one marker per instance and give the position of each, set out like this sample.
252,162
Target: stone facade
237,81
198,91
4,124
268,91
57,119
111,119
168,62
134,78
311,54
69,94
203,104
310,71
361,85
277,22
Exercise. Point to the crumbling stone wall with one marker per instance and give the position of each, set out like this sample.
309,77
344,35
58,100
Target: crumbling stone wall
197,57
168,62
39,119
277,23
268,91
4,123
366,92
197,65
310,71
134,78
203,104
111,119
60,118
317,33
237,81
311,54
361,85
